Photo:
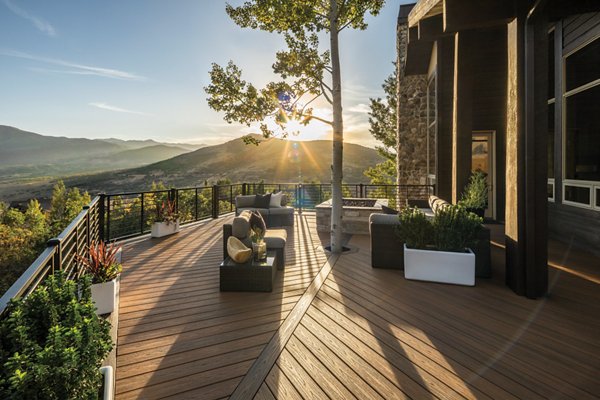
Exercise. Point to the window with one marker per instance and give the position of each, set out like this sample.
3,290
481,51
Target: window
581,99
431,129
551,105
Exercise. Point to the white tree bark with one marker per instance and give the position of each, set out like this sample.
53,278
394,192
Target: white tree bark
338,134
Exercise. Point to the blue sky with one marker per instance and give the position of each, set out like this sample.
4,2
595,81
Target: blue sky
136,69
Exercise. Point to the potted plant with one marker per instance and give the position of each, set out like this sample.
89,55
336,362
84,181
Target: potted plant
475,197
438,250
104,267
53,344
167,220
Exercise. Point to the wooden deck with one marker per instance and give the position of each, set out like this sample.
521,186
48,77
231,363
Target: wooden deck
336,328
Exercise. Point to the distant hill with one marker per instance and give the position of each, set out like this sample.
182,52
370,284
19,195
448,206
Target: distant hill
138,144
27,155
274,160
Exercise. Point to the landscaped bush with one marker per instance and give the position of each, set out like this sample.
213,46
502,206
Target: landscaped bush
414,228
52,344
452,229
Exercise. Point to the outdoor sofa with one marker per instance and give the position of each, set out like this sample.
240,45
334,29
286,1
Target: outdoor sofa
240,228
275,213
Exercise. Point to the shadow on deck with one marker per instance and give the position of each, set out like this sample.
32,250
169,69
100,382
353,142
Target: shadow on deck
339,329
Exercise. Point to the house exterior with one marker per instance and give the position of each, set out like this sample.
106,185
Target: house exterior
513,89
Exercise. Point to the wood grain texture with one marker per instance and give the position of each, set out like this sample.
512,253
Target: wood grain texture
341,329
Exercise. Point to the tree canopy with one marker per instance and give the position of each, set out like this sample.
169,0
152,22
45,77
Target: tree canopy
306,72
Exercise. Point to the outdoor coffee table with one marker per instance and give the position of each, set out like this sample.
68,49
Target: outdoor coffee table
252,276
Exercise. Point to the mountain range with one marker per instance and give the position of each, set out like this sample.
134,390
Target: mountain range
26,155
274,160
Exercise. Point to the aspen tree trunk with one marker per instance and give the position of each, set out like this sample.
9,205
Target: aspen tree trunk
338,134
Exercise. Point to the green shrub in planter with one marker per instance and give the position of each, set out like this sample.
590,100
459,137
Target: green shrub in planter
52,343
455,228
414,228
452,229
475,196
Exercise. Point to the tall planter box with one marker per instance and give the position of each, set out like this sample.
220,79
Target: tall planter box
439,266
104,296
160,229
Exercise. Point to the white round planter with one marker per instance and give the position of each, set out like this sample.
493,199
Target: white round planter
160,229
104,296
439,266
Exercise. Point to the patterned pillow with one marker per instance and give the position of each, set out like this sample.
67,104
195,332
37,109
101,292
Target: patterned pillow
436,204
257,221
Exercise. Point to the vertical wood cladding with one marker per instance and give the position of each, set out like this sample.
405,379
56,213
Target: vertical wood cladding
445,82
489,107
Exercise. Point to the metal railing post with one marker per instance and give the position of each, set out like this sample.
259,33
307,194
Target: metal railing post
244,189
102,217
215,201
301,200
107,238
196,205
142,214
362,190
57,257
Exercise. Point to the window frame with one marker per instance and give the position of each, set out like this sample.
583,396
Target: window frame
591,185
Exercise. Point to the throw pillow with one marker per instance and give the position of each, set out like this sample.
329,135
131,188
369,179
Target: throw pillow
388,210
257,221
284,200
276,200
237,250
436,204
262,200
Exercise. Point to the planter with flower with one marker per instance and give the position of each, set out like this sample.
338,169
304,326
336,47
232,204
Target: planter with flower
167,220
438,250
104,266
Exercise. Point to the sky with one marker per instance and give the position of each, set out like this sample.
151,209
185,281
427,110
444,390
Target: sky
137,69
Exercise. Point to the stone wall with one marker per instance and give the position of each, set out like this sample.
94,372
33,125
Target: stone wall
411,91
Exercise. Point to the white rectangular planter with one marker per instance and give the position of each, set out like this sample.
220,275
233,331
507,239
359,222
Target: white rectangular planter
439,266
104,296
160,229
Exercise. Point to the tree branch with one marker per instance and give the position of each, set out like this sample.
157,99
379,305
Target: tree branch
322,120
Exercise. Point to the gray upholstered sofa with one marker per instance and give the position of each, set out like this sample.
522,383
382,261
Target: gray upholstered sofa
387,250
240,228
273,216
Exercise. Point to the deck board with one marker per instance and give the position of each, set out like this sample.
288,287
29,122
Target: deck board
341,329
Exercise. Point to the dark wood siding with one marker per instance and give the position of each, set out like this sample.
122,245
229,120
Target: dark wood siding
489,108
445,73
578,29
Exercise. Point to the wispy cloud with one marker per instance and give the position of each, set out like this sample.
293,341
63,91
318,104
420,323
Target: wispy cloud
361,108
39,23
109,107
75,69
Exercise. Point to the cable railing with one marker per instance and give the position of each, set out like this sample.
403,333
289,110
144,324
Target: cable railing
118,216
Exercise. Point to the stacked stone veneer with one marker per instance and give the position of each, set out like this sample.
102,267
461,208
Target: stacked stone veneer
412,118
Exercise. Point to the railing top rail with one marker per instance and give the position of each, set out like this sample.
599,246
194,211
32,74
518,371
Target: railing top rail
77,220
27,278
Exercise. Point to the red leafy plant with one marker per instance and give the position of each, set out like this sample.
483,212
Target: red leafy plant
165,212
102,262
